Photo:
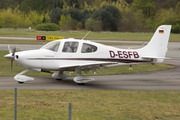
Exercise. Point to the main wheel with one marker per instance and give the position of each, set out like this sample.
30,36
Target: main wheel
20,82
58,79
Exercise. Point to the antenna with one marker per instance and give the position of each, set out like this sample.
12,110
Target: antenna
86,35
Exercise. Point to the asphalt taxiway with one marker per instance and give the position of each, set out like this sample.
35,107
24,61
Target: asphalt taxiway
159,80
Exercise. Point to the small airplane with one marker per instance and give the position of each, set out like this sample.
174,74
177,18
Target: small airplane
83,55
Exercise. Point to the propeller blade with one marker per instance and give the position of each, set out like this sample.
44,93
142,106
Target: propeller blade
11,65
9,49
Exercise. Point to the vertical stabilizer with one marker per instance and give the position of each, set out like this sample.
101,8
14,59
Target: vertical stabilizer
158,45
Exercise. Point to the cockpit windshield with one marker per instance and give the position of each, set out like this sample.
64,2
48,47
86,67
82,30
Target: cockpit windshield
53,46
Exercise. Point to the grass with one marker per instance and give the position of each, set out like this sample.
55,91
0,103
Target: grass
5,66
40,42
81,34
33,42
91,104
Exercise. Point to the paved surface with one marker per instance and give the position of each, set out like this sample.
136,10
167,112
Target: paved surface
18,38
161,80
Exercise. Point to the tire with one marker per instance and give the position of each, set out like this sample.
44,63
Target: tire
20,82
81,83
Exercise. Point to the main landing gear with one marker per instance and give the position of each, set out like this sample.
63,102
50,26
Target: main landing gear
81,80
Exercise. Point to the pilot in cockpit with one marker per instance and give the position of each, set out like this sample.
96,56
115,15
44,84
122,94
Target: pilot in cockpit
67,47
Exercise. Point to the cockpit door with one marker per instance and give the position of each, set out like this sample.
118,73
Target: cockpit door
69,49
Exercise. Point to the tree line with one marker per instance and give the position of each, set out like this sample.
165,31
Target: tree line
95,15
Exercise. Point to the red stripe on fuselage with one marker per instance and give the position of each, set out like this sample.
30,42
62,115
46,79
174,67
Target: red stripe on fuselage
93,59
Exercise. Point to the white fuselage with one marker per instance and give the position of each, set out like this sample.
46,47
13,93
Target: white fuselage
46,59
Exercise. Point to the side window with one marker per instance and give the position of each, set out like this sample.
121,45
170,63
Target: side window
87,48
54,46
70,47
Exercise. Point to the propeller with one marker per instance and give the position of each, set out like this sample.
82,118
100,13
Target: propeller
11,55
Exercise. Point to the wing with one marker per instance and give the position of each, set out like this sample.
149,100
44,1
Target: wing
88,66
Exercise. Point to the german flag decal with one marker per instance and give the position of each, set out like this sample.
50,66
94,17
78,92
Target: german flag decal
161,31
